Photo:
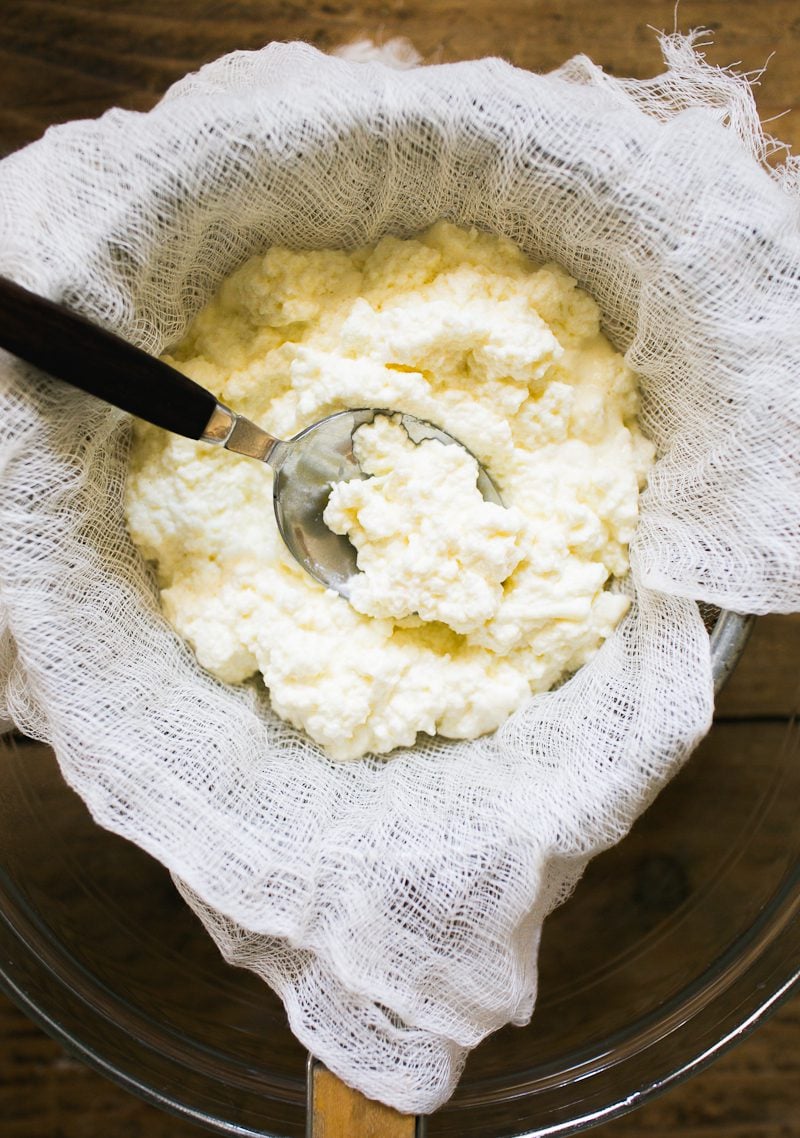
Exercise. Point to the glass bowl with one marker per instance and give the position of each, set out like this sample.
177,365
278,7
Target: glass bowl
675,943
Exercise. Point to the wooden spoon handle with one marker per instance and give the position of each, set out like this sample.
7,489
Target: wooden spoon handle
337,1111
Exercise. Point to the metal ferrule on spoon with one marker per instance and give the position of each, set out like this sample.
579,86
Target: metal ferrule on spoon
234,432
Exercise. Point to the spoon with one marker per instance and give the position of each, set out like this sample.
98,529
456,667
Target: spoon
66,345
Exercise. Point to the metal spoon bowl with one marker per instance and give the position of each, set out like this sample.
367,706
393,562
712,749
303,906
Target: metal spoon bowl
68,346
305,468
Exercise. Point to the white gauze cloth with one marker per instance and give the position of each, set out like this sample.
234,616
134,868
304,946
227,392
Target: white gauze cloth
396,905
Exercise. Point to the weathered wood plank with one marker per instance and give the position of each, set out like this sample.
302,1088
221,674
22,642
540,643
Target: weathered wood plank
61,60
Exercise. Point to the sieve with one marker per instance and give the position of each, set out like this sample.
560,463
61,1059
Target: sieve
64,344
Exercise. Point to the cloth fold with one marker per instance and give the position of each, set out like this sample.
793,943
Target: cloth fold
396,905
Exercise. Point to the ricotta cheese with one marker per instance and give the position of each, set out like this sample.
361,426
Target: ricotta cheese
428,544
464,608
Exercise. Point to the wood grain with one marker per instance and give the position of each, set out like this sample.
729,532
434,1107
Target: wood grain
64,59
340,1112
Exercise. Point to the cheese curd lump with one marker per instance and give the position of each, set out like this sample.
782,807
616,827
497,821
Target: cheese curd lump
464,608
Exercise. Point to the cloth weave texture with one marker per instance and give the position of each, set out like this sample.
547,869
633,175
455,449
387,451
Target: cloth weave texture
396,905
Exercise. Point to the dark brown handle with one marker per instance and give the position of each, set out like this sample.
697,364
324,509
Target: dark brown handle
60,342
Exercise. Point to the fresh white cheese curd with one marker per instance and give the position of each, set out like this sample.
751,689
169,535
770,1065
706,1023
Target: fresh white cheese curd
464,608
428,544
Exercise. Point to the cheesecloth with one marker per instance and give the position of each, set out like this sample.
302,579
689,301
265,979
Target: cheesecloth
396,905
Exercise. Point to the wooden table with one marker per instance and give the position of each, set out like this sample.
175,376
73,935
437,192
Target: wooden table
64,59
